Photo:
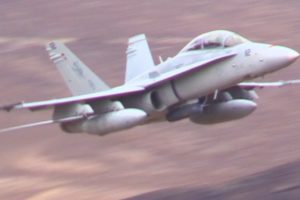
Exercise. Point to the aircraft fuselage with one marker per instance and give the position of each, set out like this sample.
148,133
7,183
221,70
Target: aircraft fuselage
251,60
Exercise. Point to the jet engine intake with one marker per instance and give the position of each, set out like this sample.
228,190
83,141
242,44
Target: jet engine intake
153,101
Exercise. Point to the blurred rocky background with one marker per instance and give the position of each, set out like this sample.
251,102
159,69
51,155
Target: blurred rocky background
254,158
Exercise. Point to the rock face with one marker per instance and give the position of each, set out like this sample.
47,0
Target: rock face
253,158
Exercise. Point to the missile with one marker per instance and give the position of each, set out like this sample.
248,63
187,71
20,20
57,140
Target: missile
107,122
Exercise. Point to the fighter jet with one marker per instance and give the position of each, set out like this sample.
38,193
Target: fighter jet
209,81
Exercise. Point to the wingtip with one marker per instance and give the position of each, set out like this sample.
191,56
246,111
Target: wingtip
10,107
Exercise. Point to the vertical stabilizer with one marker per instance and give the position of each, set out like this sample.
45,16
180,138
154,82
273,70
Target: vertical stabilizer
139,57
78,77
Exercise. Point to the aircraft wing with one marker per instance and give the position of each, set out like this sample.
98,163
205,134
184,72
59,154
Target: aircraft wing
253,85
108,94
116,92
155,78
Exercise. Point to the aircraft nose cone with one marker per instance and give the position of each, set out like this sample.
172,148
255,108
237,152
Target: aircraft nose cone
281,57
286,55
293,55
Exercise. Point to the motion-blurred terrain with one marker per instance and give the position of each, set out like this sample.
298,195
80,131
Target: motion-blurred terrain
254,158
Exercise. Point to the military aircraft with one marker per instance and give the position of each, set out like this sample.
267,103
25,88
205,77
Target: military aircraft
207,82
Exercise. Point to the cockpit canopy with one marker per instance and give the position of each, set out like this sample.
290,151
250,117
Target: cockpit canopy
213,40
